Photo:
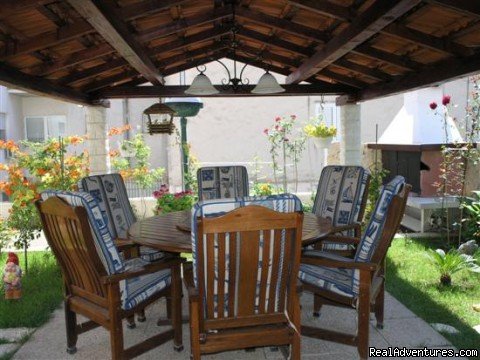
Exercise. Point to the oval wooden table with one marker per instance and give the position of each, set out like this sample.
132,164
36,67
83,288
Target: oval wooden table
163,232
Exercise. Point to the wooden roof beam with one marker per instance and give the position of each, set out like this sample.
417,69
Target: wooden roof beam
119,92
389,58
469,7
93,71
447,70
274,41
184,24
325,8
104,17
380,14
344,79
364,70
193,63
187,41
16,79
162,63
426,40
110,80
282,25
147,7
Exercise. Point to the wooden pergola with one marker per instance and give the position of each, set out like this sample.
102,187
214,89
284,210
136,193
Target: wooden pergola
87,51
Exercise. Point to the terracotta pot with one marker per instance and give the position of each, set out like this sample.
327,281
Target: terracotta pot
322,142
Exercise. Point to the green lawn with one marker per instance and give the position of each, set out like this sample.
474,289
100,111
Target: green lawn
415,282
42,292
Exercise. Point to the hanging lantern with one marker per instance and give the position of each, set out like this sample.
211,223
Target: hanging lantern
158,119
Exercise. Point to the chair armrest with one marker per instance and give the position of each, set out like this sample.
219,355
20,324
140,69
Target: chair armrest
147,269
355,226
342,239
188,280
124,244
348,264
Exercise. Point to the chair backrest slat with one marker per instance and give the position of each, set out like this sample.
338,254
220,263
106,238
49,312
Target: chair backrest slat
245,258
68,234
218,182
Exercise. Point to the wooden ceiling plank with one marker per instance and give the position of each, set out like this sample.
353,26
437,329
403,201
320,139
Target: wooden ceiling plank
282,24
108,81
105,19
162,63
344,79
274,41
74,59
427,40
187,41
469,7
287,61
118,92
397,60
147,7
184,24
42,41
93,71
363,27
446,70
325,8
13,78
364,70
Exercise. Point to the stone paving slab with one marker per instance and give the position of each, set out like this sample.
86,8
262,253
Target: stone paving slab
403,329
7,348
15,334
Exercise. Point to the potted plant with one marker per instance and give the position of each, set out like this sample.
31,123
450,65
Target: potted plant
168,202
320,132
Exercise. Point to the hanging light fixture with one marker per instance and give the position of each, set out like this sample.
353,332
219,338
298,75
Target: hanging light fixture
201,84
158,119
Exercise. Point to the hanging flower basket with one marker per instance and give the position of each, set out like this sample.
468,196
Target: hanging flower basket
322,142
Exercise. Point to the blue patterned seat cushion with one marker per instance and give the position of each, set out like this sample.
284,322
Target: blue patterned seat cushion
102,237
212,208
136,290
218,182
111,194
347,282
339,197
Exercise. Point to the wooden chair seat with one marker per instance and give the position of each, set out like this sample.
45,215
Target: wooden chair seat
99,284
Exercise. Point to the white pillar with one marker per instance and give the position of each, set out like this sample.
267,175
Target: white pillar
350,145
97,142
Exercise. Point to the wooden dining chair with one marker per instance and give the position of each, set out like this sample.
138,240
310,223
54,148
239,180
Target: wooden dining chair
111,194
356,282
99,284
243,284
342,197
217,182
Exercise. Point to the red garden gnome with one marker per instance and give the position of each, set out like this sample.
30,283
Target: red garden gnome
12,275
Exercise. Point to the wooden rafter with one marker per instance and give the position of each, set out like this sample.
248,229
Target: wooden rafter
110,80
16,79
194,62
184,24
446,70
76,58
282,24
325,8
243,91
147,7
397,60
468,7
93,71
364,70
162,63
343,79
380,14
104,17
264,53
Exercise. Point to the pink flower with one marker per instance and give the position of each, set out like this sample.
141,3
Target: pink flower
278,118
433,105
156,194
293,117
265,131
277,127
446,100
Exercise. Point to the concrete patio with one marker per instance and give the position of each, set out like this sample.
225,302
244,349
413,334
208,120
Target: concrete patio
402,329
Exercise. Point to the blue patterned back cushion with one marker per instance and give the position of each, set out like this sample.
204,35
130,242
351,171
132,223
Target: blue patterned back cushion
102,237
340,193
212,208
218,182
111,194
373,232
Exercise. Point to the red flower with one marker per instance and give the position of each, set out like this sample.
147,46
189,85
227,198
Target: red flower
446,100
278,118
265,131
433,105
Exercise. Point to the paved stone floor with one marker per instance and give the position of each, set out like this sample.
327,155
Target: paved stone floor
402,329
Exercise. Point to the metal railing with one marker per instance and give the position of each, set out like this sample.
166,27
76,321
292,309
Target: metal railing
135,191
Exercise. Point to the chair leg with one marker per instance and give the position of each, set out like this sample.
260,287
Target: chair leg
116,338
296,318
317,305
363,321
141,316
169,307
194,332
379,307
71,327
176,308
131,322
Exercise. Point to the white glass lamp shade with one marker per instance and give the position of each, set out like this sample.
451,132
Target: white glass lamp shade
267,85
201,85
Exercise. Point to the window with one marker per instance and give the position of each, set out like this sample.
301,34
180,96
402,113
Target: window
331,115
40,128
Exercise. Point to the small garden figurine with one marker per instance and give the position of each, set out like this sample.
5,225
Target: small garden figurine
12,275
